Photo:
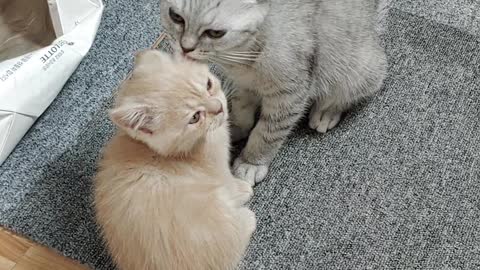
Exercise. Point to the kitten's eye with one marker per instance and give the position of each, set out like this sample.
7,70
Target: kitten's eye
195,118
209,85
175,17
215,34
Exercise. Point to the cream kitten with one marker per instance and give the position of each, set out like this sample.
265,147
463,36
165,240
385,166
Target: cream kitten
164,195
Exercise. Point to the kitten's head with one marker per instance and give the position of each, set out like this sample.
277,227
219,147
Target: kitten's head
219,30
170,104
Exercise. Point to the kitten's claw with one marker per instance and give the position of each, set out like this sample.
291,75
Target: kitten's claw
322,121
250,173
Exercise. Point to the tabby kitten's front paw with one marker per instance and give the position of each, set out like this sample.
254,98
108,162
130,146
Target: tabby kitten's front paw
250,173
322,121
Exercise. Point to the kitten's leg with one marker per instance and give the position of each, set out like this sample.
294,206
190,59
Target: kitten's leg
279,115
241,192
248,219
244,106
324,115
327,111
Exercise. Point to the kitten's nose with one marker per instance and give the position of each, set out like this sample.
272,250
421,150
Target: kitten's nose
220,110
215,107
187,50
188,42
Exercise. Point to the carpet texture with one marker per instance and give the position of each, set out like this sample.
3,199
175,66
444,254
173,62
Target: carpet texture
394,186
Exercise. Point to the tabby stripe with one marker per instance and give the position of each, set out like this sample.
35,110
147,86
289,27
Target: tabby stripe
279,128
278,93
213,7
273,139
288,101
284,126
313,63
278,118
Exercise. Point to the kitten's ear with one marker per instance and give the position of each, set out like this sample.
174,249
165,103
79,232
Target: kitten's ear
133,117
259,12
148,60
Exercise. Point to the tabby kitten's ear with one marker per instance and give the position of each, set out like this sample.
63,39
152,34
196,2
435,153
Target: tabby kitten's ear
132,118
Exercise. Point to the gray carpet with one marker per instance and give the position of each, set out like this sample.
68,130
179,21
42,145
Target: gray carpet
395,186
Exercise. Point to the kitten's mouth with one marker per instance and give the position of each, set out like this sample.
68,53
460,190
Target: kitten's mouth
195,57
224,115
188,57
221,121
220,118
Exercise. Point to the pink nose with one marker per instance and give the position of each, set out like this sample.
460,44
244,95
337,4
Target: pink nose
220,110
215,107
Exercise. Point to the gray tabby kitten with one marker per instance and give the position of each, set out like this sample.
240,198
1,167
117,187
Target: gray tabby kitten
283,55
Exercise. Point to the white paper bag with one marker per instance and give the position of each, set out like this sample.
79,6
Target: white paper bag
29,83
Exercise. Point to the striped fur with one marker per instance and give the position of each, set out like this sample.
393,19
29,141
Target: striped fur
283,57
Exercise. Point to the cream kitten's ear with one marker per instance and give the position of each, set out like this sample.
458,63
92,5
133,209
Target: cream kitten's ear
149,60
135,118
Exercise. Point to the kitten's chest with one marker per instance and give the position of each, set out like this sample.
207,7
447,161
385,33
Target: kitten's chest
244,78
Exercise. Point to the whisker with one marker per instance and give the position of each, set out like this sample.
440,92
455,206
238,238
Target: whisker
243,57
229,60
258,44
244,53
237,58
219,61
200,55
228,88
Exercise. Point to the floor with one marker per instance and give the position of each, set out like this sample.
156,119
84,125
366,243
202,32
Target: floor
17,253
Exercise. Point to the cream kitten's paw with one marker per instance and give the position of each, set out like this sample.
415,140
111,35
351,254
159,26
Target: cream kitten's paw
249,172
322,121
243,192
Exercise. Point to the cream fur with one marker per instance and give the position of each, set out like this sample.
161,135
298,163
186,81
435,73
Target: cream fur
164,194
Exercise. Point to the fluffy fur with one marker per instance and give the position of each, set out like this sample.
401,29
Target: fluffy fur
283,56
165,198
25,26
